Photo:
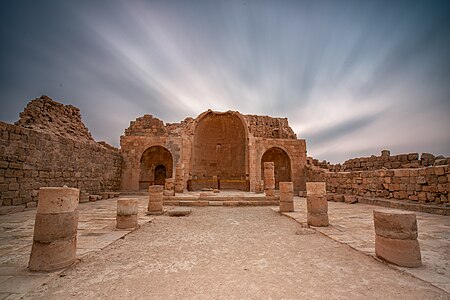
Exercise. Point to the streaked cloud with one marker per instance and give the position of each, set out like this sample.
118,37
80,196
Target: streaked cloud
353,77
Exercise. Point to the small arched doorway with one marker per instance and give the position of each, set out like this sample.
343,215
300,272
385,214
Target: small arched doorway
282,164
156,165
160,175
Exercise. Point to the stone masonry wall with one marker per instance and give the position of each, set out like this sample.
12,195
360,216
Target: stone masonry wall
385,160
50,146
30,159
148,125
269,127
426,184
45,115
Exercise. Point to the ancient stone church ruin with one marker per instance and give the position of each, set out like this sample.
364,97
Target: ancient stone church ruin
225,149
50,146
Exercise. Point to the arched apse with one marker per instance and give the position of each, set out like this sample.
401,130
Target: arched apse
220,149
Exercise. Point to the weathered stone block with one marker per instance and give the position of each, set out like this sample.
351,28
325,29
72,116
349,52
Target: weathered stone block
317,219
53,200
55,231
395,224
405,253
127,206
316,204
286,206
316,188
350,199
51,227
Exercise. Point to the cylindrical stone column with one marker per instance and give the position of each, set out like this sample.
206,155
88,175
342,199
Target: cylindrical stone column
396,238
169,187
127,213
269,179
316,204
179,178
258,187
286,197
155,200
55,229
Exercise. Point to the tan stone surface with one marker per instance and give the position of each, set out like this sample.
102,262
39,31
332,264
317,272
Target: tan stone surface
53,256
404,253
353,225
127,206
315,188
54,200
55,230
51,227
317,219
316,204
227,253
127,221
96,230
395,225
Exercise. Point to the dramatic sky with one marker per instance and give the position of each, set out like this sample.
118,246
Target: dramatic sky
353,77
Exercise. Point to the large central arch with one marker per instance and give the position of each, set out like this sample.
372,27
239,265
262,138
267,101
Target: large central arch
282,164
156,165
220,149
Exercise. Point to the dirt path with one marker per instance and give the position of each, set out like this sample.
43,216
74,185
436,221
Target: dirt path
232,253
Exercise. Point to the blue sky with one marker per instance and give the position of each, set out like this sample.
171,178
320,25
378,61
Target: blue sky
353,77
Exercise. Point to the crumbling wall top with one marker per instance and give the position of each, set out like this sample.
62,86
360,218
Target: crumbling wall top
269,127
45,115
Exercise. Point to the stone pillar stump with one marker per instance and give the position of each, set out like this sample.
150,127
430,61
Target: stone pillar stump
316,204
55,229
169,187
269,179
286,197
155,200
127,213
396,238
179,178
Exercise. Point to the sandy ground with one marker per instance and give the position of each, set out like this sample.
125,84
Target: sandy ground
231,253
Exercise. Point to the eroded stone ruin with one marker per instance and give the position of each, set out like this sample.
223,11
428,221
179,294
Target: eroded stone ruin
225,148
50,146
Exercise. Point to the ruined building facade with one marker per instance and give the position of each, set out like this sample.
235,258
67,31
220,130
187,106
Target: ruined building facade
50,146
216,149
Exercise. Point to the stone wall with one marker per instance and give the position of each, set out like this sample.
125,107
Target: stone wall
269,127
45,115
50,146
385,160
426,184
148,125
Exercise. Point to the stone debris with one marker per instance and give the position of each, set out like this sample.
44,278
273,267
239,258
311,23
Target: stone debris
179,212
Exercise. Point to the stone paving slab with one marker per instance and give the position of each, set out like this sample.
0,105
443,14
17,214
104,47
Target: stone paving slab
96,230
352,224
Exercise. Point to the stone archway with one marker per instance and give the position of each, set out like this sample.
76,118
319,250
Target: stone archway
220,152
156,165
282,164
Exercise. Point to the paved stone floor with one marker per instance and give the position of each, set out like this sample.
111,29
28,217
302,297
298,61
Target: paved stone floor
352,224
96,230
